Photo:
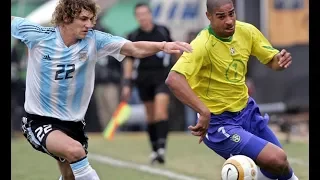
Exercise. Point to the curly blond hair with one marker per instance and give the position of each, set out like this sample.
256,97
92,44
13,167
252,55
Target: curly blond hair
71,9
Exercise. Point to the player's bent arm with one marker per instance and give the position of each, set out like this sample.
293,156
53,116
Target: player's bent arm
273,63
141,49
181,89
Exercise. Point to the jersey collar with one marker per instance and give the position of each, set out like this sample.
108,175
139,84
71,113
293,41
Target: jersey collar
229,39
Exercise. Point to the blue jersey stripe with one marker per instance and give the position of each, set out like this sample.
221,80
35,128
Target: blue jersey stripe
45,81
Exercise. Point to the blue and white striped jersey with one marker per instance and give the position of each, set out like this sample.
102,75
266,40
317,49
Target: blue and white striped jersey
60,79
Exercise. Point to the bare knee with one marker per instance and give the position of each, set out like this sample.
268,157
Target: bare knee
278,160
75,152
274,160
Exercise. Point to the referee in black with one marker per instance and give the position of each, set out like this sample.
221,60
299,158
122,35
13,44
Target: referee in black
150,81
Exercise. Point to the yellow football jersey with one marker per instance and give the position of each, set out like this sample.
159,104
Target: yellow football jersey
217,67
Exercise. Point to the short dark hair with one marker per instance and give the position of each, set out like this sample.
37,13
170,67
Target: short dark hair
140,4
213,4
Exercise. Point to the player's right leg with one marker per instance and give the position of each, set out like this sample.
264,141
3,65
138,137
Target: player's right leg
48,135
61,145
229,139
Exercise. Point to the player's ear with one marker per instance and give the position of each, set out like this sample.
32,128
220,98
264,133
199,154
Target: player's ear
209,15
66,19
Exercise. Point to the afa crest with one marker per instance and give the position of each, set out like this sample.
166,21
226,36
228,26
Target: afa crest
83,55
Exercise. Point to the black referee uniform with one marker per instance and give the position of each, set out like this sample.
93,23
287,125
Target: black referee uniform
152,73
152,70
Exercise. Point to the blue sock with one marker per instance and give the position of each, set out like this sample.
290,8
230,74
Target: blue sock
267,174
79,164
286,176
82,170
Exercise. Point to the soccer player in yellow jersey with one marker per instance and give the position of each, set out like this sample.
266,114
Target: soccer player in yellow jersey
211,80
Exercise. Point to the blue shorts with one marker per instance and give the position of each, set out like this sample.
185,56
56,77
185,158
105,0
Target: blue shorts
245,132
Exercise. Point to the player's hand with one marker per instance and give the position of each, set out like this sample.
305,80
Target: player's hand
284,58
126,93
200,129
176,47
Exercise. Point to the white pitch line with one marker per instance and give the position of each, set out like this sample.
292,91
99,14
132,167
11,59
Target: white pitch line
139,167
161,172
298,161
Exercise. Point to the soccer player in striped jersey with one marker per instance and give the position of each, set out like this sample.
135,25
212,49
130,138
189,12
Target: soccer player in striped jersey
60,79
211,80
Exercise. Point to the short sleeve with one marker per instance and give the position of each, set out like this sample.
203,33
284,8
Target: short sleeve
261,47
189,64
28,32
109,45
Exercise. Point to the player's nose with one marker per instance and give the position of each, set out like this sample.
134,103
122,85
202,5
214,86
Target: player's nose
229,21
89,25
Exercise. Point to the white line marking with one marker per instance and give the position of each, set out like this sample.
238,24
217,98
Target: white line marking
139,167
161,172
298,161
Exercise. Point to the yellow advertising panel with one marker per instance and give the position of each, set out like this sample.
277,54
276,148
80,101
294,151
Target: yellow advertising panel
288,22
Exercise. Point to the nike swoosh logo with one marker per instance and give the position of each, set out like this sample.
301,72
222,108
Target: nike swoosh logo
214,44
228,173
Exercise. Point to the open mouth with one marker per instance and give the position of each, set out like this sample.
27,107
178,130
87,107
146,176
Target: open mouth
230,28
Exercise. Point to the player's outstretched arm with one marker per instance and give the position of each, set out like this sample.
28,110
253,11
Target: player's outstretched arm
141,49
280,61
182,90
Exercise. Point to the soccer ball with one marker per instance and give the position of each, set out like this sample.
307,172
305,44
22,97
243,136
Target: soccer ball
239,167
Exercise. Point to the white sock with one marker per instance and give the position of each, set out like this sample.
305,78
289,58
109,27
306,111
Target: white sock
82,170
294,177
261,176
60,178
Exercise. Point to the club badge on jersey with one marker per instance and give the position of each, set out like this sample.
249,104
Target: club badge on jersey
83,55
232,51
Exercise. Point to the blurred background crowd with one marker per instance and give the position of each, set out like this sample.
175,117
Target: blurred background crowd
283,95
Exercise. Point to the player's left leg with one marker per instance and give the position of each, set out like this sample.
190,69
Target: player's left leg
258,125
161,114
66,171
267,134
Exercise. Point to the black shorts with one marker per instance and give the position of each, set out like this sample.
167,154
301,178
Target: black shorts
36,129
150,83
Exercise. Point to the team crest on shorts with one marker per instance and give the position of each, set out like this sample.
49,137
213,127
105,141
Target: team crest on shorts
83,55
236,138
